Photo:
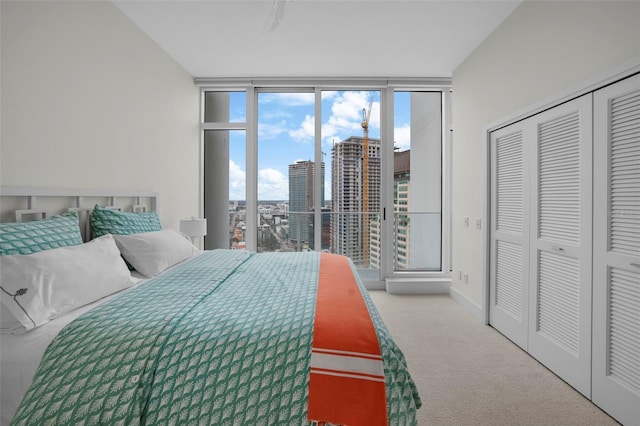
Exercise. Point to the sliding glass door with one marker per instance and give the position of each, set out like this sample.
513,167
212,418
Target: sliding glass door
353,171
417,181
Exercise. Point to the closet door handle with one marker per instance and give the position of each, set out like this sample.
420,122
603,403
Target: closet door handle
557,248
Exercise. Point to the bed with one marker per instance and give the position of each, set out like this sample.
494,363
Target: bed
134,325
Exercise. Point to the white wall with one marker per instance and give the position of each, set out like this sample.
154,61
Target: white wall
89,101
542,49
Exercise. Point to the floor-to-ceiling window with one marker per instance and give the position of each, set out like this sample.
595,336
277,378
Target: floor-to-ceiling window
358,171
286,170
417,180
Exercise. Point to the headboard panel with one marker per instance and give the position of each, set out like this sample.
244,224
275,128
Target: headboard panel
19,204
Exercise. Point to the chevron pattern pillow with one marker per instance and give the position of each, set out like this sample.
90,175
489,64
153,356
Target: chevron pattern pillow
31,237
106,221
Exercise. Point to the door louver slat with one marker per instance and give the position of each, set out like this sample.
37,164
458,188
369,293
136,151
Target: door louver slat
509,183
559,179
509,280
624,328
624,212
558,299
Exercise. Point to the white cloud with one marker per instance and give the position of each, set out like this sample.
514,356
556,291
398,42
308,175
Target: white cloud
271,130
272,185
402,137
306,131
237,182
288,99
347,116
344,121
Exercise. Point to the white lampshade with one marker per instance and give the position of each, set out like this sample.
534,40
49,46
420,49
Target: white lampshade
194,227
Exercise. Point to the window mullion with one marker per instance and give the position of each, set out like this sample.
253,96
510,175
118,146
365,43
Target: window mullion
252,171
318,176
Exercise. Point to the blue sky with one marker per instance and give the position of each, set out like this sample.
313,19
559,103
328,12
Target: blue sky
286,134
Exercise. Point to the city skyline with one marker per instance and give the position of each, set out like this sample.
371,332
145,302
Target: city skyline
286,134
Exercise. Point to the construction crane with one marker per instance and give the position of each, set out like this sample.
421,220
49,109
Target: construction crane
366,113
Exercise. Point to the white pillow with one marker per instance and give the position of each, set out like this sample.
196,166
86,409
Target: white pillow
41,286
152,252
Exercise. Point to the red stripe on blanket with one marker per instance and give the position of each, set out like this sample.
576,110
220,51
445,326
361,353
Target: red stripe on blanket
346,383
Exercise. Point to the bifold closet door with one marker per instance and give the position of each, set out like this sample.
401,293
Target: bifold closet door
508,310
616,256
560,255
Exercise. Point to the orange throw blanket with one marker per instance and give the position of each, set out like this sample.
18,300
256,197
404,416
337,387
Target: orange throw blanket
347,385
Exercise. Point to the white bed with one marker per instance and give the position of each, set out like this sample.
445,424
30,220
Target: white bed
20,355
213,337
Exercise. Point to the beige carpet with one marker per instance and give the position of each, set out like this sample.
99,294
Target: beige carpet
469,374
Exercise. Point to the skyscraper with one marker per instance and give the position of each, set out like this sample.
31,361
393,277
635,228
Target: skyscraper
301,200
348,232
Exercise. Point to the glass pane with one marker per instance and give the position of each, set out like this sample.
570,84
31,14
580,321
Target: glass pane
225,107
417,180
351,136
225,171
286,171
237,189
225,179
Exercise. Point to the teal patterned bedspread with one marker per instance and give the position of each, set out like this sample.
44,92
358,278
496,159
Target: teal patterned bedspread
224,339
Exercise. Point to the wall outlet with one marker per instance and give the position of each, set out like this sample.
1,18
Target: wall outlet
478,223
466,221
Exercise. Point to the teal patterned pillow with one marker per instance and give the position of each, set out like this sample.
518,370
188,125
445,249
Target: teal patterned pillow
31,237
107,221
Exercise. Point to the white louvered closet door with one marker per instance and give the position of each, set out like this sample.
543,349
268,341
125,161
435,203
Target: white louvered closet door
560,256
508,308
616,273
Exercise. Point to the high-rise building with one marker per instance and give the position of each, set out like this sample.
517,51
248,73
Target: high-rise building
301,200
348,226
401,199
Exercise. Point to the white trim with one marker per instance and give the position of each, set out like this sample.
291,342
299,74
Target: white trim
223,126
418,285
20,191
374,285
324,82
468,305
318,177
446,164
32,193
387,108
251,170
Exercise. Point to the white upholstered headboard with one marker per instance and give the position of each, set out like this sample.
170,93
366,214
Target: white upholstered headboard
24,203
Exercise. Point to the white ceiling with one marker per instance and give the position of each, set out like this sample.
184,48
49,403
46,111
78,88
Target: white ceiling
362,38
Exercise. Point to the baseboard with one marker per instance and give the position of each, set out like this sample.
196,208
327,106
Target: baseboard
374,285
469,305
418,285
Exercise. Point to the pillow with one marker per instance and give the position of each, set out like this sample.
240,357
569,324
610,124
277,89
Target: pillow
152,252
31,237
106,221
38,287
